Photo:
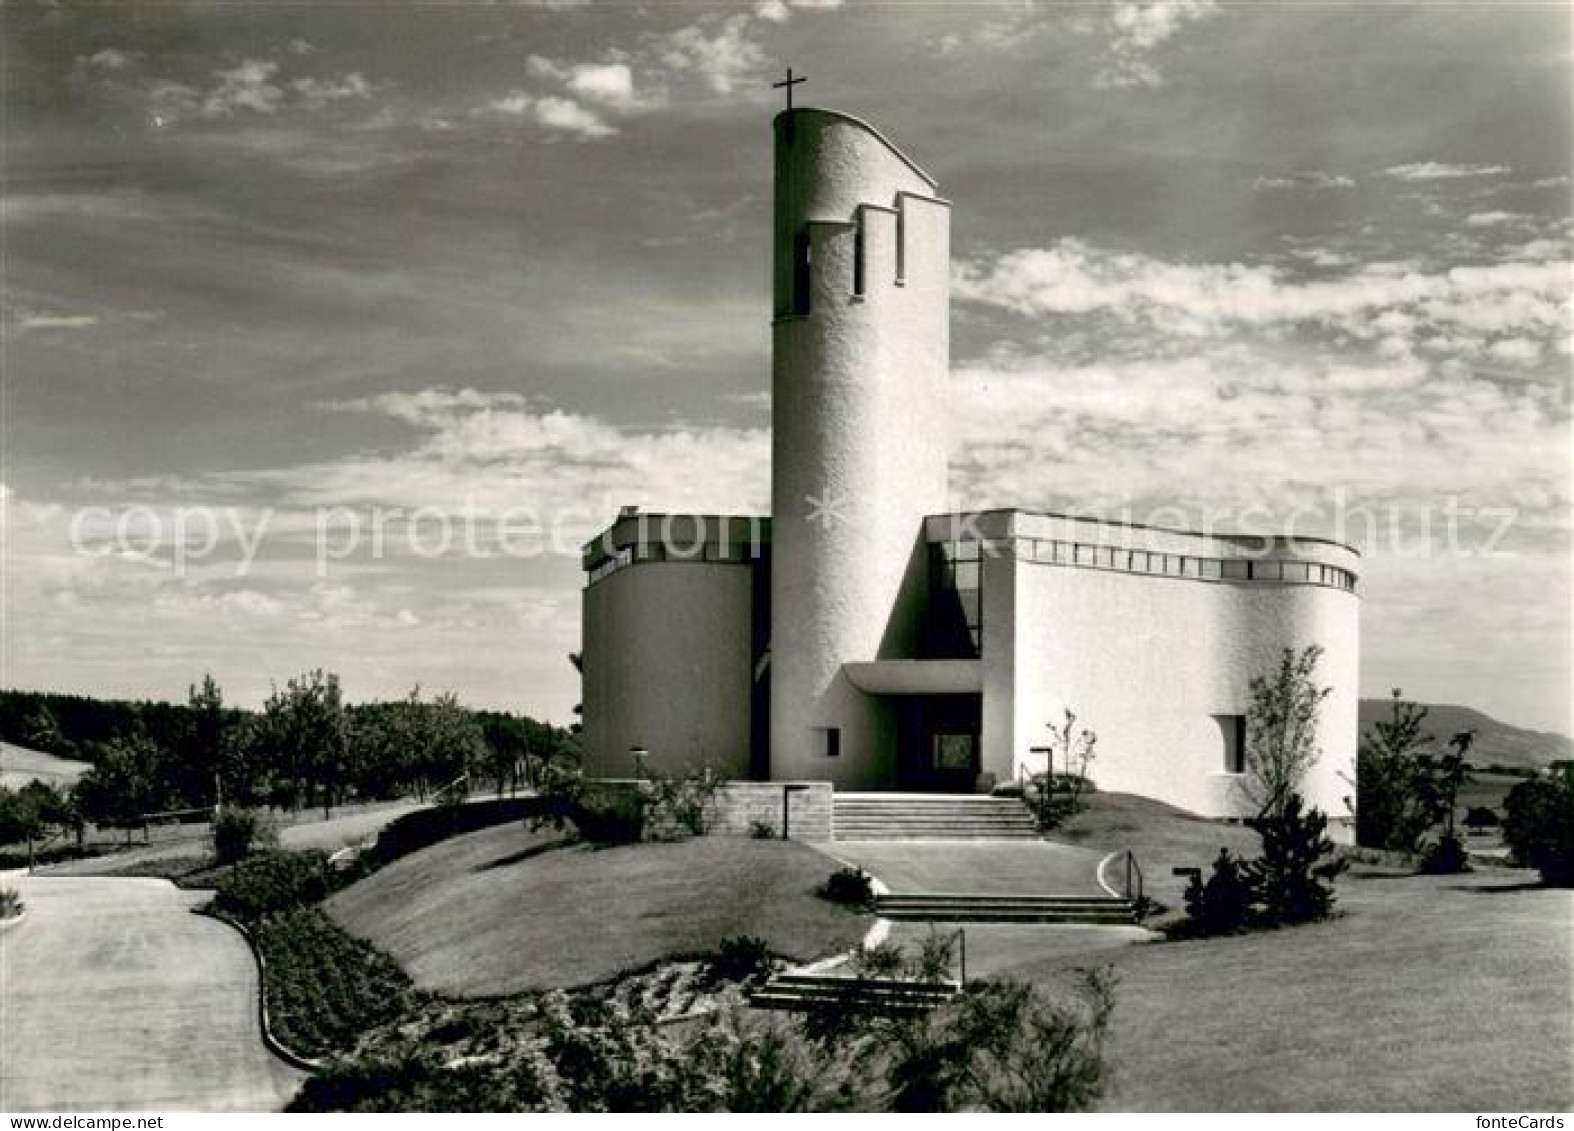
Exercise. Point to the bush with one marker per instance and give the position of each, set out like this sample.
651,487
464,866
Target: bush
850,887
762,830
273,883
1478,818
1221,905
682,806
614,817
1538,825
1446,858
742,958
1293,879
236,832
325,987
10,903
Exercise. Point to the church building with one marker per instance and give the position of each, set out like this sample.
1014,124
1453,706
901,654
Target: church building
865,636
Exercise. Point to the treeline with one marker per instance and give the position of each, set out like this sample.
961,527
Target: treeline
305,747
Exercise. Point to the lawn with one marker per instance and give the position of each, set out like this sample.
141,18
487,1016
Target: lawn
1428,993
1162,838
506,910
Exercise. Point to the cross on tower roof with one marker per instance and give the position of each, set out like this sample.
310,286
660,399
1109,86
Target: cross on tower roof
789,82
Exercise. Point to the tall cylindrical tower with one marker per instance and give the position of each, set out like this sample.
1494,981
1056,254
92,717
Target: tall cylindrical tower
861,346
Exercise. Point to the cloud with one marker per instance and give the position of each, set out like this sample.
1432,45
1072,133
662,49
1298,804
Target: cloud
314,94
1075,278
1136,32
28,320
1435,171
720,52
110,59
249,86
1312,181
611,83
1493,219
562,114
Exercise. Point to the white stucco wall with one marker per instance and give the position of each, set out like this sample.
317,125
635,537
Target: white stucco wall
667,666
1148,661
858,431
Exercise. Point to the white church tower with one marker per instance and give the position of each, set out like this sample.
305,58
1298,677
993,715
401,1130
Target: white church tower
860,358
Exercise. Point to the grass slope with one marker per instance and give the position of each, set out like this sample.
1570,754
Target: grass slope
1448,993
1162,837
503,910
19,765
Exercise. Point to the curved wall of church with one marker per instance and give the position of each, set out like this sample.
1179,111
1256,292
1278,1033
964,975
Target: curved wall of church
667,666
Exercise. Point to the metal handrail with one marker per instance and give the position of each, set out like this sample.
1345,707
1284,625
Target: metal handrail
1133,868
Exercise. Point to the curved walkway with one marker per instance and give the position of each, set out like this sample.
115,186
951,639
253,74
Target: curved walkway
115,997
975,867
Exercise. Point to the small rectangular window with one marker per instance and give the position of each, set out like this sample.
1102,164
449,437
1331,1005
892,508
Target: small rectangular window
858,257
1232,729
833,742
800,273
1235,570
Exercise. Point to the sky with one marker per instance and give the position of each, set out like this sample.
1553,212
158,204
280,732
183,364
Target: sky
330,331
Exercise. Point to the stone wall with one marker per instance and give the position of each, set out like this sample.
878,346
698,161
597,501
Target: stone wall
738,805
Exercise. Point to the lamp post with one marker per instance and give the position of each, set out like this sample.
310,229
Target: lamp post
787,792
639,754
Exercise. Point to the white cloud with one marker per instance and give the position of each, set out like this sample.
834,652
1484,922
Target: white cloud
1519,351
720,52
43,320
1493,219
1313,180
314,94
1137,30
249,86
1436,171
562,114
611,84
569,116
110,59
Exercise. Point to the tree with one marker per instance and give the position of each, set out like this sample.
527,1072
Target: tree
1054,797
1221,905
127,783
1538,825
1281,730
303,734
1292,881
1392,806
193,768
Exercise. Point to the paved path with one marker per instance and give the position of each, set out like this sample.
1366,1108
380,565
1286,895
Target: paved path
972,867
114,997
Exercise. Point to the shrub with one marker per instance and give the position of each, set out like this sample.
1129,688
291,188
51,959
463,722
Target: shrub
683,805
1478,818
325,987
1293,879
1221,905
742,958
1538,825
762,830
611,817
236,832
850,887
10,903
273,883
1446,858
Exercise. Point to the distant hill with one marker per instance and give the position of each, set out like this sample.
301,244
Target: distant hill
19,765
1497,744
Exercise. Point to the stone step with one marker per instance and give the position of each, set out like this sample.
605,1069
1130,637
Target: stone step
800,993
910,816
955,908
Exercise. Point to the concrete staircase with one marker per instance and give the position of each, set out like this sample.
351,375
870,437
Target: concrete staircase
929,816
802,993
984,908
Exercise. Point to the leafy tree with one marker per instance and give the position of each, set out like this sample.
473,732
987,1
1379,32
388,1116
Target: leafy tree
1281,730
126,783
1538,825
198,774
1292,881
1479,818
34,813
303,734
1393,806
